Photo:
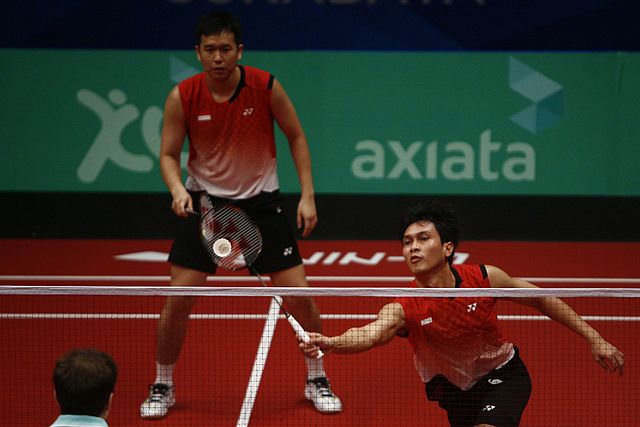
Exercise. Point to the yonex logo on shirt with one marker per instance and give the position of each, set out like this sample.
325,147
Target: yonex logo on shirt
247,112
472,307
204,117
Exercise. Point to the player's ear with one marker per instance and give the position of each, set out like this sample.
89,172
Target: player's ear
107,409
55,397
448,249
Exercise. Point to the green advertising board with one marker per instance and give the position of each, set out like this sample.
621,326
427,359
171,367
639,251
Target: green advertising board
377,122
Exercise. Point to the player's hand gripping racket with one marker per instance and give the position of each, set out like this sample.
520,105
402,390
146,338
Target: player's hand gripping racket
234,242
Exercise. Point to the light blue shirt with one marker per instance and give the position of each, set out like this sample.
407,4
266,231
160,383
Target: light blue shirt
79,421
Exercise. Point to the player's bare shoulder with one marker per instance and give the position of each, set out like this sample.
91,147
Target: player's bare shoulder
173,110
173,97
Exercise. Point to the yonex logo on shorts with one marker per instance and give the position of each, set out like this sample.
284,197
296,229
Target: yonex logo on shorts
488,408
472,307
494,381
287,251
426,321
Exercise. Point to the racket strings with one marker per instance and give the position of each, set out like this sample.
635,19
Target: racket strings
231,223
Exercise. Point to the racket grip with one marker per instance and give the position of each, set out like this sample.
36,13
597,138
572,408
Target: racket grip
300,332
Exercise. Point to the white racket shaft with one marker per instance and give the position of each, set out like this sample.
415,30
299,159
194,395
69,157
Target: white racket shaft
297,328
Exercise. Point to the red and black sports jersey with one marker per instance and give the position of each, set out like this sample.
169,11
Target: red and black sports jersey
456,337
232,151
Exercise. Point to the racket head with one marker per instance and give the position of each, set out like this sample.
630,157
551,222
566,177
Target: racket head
231,223
205,204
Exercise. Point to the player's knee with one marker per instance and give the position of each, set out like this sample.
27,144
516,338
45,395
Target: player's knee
179,306
301,284
302,306
291,277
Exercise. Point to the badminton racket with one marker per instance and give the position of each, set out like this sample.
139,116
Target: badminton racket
234,242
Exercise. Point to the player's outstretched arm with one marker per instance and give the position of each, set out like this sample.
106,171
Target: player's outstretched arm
607,355
389,322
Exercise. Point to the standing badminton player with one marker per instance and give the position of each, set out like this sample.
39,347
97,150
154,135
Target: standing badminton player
473,373
228,113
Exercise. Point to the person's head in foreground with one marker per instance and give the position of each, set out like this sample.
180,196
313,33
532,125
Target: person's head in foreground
84,381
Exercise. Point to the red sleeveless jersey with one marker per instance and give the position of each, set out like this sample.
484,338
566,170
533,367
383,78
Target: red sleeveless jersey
459,337
232,152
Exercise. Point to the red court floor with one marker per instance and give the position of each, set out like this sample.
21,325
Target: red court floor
378,388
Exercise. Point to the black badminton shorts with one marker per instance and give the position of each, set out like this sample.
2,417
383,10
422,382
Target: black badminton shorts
279,247
498,398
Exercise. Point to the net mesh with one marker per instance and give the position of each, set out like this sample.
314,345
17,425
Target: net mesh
234,331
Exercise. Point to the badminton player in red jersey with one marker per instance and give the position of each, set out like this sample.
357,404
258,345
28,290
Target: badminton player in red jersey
228,113
467,366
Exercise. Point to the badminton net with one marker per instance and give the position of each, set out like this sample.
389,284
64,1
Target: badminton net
240,364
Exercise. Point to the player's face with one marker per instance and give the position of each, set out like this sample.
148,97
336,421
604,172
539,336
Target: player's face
422,248
219,54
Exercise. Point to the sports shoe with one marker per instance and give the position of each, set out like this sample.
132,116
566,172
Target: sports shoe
318,390
161,398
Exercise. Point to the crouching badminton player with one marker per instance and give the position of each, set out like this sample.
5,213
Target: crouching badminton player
474,374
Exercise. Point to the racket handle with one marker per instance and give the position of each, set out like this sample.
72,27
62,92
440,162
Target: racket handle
300,332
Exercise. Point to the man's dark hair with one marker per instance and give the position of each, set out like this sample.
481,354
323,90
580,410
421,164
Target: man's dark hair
84,380
443,216
214,23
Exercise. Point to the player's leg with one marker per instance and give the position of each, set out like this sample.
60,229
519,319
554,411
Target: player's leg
174,317
172,329
281,260
190,265
304,309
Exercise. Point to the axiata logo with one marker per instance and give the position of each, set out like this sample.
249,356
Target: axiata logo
546,95
488,160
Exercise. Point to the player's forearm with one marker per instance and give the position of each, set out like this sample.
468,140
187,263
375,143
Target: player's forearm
561,312
171,173
375,334
302,160
354,340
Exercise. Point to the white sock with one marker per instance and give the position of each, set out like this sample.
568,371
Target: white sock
315,368
164,373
